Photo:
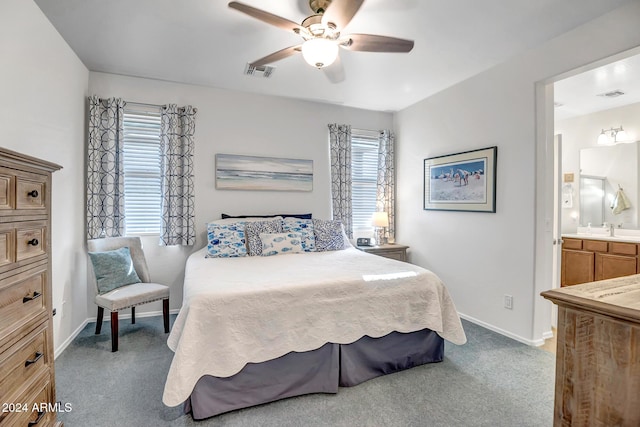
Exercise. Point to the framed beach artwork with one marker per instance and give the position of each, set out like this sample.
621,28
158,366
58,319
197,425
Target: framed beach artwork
461,181
234,172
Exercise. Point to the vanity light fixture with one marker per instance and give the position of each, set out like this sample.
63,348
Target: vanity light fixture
612,136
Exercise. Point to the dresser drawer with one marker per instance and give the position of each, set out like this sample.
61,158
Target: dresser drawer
7,244
22,298
6,189
23,361
31,408
30,242
30,192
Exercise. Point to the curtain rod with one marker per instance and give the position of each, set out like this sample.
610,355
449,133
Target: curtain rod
142,104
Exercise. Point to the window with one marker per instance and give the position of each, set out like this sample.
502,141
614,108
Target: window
142,177
364,177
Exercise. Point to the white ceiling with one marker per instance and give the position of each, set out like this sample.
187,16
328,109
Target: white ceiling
579,95
204,42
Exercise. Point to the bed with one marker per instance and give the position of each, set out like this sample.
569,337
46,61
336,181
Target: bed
255,329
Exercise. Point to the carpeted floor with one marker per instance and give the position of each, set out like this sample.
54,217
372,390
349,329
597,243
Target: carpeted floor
490,381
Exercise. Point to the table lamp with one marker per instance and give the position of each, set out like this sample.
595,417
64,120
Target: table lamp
381,222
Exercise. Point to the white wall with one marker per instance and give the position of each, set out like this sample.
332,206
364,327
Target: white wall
43,86
483,256
239,123
582,132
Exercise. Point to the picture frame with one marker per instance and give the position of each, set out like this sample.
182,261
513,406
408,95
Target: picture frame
238,172
464,181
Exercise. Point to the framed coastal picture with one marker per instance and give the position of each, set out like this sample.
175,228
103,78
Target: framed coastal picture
462,181
235,172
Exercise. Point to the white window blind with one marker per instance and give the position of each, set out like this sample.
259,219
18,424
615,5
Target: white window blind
364,176
142,177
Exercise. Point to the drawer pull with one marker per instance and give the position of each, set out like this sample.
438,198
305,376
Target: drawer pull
37,420
34,360
33,242
33,193
36,294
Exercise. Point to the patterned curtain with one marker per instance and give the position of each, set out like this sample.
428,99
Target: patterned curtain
386,197
340,144
176,147
105,184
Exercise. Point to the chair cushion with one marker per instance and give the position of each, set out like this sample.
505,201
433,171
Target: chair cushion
113,269
128,296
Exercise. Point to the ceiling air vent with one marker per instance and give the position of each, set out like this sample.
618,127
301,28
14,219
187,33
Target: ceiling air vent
259,71
612,94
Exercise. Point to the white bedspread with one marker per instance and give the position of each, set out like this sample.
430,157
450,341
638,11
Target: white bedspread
254,309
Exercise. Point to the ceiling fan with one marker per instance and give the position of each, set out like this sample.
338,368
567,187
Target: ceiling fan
322,35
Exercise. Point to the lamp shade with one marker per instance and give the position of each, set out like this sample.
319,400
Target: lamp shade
380,219
604,139
319,52
621,136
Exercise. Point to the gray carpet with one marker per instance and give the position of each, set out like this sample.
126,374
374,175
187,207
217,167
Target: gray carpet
490,381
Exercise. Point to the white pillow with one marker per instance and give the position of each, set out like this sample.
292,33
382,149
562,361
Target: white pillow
281,243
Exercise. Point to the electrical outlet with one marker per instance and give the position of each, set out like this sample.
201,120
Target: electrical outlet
54,312
508,301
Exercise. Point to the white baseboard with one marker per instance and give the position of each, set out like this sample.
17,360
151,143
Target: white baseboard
533,343
58,351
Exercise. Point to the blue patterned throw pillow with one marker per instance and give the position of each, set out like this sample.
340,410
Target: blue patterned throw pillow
113,269
226,240
305,228
253,230
280,243
328,235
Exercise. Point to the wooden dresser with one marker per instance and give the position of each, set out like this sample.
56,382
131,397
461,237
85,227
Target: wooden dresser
27,378
598,357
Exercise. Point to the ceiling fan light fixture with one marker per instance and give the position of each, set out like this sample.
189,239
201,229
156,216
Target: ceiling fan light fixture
319,52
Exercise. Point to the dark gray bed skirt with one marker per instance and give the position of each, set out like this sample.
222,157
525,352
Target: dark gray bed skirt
316,371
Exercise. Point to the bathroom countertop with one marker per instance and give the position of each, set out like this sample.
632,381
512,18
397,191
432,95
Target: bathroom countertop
597,236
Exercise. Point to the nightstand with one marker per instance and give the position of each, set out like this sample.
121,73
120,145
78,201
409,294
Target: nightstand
392,251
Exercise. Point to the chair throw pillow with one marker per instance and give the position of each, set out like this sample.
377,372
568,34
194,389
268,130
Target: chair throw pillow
113,269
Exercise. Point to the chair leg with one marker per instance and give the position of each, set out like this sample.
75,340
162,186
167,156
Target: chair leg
114,331
99,320
165,314
133,315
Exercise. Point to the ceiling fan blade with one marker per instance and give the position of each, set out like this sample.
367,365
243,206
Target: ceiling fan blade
335,71
374,43
277,56
267,17
340,12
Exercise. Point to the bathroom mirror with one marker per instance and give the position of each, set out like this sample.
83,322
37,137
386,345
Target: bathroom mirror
592,200
617,167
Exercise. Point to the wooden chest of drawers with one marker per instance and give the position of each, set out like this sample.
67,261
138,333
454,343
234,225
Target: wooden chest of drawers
27,378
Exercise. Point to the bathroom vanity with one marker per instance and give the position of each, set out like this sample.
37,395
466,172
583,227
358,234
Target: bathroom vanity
587,258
